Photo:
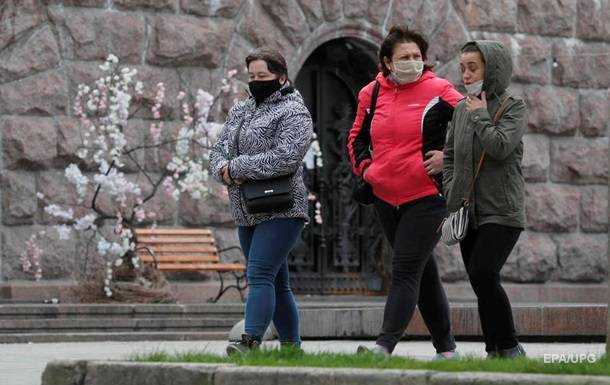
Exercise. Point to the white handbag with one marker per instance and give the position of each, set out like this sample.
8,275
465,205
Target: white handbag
455,226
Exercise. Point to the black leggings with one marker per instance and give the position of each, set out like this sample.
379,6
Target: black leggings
412,231
485,251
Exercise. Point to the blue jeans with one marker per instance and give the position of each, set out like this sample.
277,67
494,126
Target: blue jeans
266,247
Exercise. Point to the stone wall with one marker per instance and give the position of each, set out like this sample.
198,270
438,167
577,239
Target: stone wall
561,51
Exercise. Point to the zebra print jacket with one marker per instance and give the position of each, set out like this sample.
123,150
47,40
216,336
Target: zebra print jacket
273,141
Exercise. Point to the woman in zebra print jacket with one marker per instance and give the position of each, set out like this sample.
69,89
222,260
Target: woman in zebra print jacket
276,130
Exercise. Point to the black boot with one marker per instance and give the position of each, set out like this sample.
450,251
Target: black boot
245,345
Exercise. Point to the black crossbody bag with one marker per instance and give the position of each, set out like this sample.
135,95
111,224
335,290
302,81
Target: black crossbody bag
363,192
266,195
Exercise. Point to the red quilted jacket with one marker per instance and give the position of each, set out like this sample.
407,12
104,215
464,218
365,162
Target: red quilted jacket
409,120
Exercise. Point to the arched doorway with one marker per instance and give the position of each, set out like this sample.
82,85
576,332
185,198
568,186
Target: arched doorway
345,253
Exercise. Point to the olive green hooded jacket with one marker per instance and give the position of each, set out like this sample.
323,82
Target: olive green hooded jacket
499,190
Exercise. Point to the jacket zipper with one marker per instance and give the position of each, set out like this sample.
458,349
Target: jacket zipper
394,114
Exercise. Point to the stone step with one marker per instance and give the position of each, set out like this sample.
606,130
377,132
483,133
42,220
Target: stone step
115,324
535,320
319,320
21,291
13,311
19,338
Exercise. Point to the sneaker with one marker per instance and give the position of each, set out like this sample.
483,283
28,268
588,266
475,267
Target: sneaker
515,352
245,345
445,356
377,349
492,354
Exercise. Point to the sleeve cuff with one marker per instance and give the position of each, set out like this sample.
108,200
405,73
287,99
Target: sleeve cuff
364,165
233,171
217,171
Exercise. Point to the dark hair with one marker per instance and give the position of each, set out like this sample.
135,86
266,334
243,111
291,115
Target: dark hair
401,34
274,59
472,47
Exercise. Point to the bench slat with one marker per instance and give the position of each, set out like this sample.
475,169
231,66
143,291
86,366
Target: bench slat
178,248
201,266
179,258
157,238
170,231
182,250
161,240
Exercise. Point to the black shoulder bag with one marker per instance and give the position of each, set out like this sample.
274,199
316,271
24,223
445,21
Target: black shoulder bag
266,195
363,192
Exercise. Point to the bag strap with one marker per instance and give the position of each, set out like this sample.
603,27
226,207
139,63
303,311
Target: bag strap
374,98
494,121
373,106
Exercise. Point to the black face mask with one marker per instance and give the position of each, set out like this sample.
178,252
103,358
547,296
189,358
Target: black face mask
262,89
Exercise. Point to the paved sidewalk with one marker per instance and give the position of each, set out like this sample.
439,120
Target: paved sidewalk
22,364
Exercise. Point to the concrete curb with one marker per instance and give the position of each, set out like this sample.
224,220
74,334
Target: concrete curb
135,373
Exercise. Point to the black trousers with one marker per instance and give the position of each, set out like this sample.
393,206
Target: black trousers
485,251
412,231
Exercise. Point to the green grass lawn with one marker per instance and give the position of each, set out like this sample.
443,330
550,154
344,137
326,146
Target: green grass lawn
330,360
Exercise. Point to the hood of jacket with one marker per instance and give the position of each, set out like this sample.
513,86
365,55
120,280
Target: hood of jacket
498,66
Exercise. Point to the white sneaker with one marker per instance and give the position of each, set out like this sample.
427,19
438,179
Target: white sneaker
377,349
445,356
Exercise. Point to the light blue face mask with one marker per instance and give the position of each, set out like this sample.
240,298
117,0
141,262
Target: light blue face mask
474,88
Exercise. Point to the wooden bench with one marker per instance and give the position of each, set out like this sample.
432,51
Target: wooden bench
176,250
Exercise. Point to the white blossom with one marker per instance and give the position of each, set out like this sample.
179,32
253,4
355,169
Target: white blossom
58,212
76,177
86,222
116,184
103,246
139,88
63,232
104,112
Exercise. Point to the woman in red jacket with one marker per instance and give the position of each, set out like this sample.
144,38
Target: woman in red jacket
399,153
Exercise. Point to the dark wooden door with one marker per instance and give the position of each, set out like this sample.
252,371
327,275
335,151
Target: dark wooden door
345,253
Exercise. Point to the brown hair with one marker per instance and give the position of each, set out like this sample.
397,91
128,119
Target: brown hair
274,59
401,34
472,47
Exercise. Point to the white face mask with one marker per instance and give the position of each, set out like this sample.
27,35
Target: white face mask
474,88
407,71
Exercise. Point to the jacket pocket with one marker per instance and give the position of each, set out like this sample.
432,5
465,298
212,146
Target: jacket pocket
512,189
491,197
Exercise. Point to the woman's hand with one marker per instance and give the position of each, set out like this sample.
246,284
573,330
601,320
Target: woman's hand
225,175
474,103
434,162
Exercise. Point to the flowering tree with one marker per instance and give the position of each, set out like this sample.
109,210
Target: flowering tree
106,194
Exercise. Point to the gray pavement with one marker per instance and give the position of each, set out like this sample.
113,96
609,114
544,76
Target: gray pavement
22,364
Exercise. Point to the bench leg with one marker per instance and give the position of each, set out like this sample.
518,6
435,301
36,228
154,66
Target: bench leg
239,286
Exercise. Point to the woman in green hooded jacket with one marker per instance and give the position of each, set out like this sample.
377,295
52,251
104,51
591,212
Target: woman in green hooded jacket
497,200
